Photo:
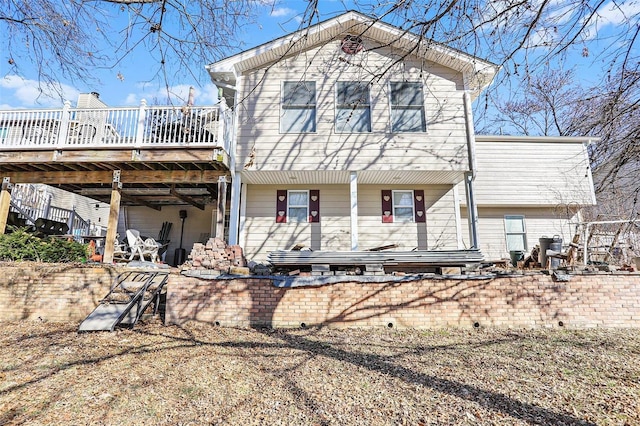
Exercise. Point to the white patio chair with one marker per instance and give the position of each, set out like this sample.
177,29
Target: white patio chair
142,248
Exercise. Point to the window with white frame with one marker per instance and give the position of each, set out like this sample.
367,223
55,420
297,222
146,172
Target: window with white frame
515,232
403,206
298,206
407,107
353,110
298,108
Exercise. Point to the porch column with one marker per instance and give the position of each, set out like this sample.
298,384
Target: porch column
5,203
353,184
234,214
221,208
112,224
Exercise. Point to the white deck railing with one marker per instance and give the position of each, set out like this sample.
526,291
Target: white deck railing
143,126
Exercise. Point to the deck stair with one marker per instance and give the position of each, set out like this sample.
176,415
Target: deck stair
130,295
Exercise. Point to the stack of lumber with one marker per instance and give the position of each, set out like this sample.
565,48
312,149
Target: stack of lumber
384,258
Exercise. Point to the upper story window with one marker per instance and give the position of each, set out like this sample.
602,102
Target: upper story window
353,110
407,107
515,233
298,114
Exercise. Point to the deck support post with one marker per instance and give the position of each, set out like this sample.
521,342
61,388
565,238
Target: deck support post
112,224
5,203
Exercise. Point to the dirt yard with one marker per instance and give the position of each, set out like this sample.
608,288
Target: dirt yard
201,374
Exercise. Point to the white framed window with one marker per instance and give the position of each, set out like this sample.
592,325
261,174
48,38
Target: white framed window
353,108
298,206
407,107
298,107
515,233
403,206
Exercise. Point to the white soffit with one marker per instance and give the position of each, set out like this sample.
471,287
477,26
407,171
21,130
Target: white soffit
368,177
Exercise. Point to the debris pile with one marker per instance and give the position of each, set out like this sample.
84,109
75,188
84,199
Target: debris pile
219,256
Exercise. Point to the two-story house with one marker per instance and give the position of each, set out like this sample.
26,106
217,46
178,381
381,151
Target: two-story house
348,135
353,134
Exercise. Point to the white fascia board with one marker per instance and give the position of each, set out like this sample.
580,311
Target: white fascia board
533,139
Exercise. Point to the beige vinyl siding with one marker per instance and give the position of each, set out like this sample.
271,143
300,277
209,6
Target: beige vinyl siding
259,116
438,233
539,222
263,235
532,173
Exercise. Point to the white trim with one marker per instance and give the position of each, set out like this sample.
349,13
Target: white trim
242,235
353,186
533,139
393,206
306,216
234,214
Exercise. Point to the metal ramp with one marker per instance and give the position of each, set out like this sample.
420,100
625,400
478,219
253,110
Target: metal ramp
130,295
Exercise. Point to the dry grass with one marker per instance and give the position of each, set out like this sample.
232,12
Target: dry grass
200,374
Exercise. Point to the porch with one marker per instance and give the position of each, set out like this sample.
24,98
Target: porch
151,156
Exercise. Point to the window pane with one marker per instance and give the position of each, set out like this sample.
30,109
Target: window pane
403,214
353,120
405,93
298,120
352,93
403,198
298,198
514,224
299,93
298,214
515,242
408,120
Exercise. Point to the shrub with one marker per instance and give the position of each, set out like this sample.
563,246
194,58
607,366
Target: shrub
21,245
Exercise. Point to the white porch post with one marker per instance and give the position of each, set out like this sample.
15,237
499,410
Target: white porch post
354,210
234,214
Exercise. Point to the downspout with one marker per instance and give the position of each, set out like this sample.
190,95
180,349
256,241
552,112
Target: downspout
236,183
470,175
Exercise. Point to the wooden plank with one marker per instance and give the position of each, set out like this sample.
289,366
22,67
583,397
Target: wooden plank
127,176
112,226
5,203
188,155
185,198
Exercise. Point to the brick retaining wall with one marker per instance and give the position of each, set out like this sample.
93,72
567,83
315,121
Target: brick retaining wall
52,292
522,301
70,293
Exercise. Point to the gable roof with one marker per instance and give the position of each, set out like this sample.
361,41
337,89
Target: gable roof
478,73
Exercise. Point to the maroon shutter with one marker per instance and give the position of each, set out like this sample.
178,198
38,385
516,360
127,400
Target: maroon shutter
418,203
387,206
281,206
314,205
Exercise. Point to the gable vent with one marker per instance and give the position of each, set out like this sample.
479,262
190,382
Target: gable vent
351,44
